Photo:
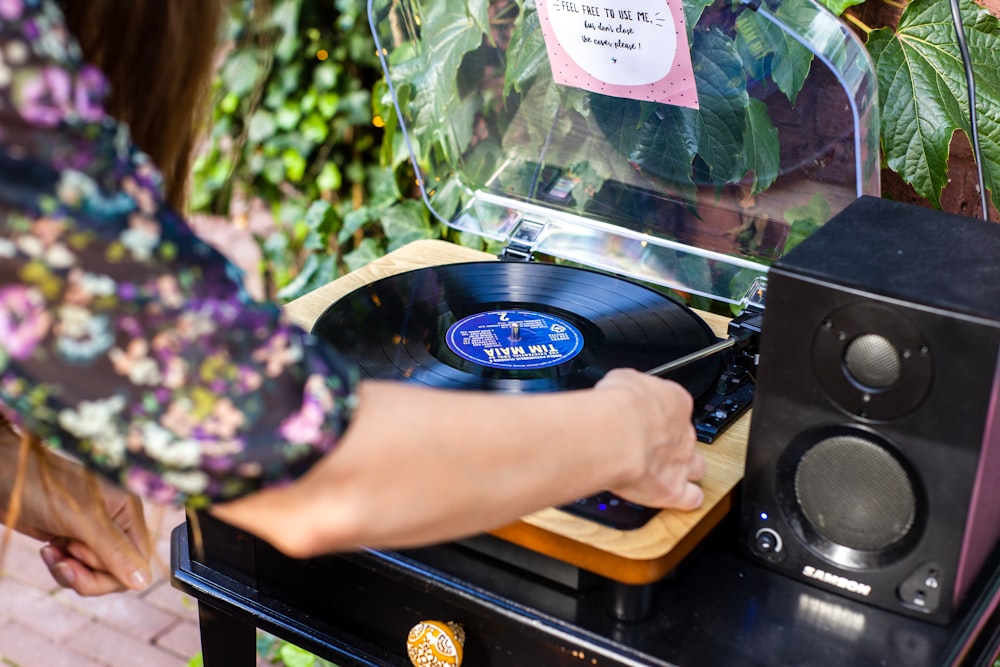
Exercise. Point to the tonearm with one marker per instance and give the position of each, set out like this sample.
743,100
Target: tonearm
743,330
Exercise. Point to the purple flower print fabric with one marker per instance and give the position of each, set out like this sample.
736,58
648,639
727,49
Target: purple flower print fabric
124,339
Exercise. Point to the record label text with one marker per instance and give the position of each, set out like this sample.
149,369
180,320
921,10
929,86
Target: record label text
514,339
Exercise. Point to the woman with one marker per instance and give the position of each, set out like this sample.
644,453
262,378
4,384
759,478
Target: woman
129,343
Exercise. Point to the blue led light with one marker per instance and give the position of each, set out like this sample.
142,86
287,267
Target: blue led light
763,516
602,507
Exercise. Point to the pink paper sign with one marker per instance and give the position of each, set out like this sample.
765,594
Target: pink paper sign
630,48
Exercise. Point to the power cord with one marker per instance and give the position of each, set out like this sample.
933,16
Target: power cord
956,16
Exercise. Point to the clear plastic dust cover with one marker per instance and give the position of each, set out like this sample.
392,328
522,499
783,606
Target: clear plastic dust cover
676,142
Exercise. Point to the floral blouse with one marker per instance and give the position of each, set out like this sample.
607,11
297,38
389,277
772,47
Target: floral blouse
124,339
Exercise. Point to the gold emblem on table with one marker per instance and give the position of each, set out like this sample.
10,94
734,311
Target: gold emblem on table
435,644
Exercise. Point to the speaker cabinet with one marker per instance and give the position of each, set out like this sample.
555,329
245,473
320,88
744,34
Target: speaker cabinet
873,466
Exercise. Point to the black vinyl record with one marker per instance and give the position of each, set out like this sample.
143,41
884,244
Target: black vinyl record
514,326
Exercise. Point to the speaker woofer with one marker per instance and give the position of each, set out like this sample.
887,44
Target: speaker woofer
855,493
850,497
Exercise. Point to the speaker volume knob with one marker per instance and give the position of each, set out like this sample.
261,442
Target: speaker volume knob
768,543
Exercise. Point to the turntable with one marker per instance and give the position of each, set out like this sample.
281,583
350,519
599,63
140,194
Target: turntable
631,209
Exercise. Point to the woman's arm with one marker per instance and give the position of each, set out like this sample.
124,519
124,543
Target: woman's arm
420,465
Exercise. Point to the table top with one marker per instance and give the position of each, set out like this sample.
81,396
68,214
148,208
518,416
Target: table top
718,609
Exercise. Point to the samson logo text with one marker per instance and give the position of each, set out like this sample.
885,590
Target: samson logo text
836,580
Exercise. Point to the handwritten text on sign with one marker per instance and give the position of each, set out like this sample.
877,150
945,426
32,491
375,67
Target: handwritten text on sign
636,48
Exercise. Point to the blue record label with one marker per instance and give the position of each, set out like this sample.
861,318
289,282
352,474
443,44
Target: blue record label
515,339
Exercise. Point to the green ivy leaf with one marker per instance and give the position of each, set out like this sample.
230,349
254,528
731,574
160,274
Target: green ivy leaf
446,199
308,100
229,103
529,57
239,73
694,270
353,221
276,244
479,13
319,219
293,656
325,76
327,104
367,251
314,128
355,107
285,17
382,187
923,94
318,269
760,144
285,83
768,50
294,163
664,139
664,146
838,7
805,219
405,222
448,36
329,177
287,117
722,95
262,127
273,171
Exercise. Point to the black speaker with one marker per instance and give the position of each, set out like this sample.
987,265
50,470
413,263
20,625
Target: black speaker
873,465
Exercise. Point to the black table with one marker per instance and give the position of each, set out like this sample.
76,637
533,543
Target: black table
717,609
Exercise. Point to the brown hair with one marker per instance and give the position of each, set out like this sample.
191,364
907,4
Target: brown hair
159,58
13,503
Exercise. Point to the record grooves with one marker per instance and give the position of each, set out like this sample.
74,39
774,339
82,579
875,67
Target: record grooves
514,326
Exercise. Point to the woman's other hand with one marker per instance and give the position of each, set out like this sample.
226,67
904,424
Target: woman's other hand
97,540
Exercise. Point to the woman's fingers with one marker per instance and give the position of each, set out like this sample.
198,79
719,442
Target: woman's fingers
696,469
71,573
112,565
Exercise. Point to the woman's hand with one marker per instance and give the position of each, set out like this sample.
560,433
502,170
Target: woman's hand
97,537
657,418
